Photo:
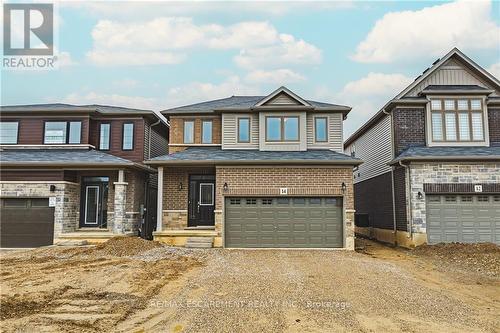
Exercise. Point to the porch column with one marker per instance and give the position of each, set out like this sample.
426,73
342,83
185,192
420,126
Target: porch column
159,206
120,204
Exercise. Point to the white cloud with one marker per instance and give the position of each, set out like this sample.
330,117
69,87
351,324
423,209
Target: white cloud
166,40
495,70
64,59
113,99
366,96
287,51
277,76
430,32
125,83
195,92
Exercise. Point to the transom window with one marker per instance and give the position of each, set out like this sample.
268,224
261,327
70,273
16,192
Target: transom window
282,128
243,129
8,132
320,129
188,131
457,120
61,132
206,131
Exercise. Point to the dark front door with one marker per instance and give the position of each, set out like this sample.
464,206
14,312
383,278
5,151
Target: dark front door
201,202
149,216
94,202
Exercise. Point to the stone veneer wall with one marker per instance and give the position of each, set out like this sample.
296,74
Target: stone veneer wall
300,181
439,173
66,211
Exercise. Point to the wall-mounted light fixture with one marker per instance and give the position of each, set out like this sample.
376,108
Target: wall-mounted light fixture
344,187
420,195
225,187
52,188
180,186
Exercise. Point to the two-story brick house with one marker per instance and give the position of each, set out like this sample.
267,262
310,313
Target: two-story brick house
70,172
256,171
431,170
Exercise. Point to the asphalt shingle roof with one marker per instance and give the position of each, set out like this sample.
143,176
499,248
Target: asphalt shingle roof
217,155
60,156
449,153
242,102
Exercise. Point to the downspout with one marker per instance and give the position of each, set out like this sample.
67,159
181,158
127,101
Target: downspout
149,137
409,217
394,222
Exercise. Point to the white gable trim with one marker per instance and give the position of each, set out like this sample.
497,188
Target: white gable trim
283,90
442,61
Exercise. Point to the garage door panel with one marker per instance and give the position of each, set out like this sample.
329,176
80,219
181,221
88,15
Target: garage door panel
470,218
26,222
286,222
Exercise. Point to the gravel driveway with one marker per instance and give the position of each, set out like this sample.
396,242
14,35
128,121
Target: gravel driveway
127,288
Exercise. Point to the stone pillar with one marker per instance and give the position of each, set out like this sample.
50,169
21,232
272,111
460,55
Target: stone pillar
120,201
349,229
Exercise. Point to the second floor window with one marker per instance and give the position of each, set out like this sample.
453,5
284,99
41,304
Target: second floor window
206,131
457,120
8,132
243,129
282,128
128,136
104,135
62,132
189,131
320,129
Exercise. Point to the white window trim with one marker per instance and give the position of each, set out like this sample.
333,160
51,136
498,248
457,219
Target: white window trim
428,125
327,141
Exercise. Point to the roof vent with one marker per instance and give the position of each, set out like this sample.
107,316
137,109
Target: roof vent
426,70
435,62
418,77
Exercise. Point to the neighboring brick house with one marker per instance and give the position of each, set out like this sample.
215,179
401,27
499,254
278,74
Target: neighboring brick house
256,171
77,172
431,170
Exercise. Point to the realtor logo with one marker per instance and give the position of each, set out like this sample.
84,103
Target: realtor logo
28,36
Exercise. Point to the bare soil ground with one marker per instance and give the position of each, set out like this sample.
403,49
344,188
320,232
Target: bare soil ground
131,285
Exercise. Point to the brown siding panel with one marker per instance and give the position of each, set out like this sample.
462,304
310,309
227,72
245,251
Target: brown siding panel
6,175
137,154
374,197
409,128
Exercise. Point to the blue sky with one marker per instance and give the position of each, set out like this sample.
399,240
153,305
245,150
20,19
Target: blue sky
163,54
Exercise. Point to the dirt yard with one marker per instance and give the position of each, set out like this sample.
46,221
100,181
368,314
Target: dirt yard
131,285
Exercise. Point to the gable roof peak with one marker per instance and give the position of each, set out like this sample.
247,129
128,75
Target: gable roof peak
283,90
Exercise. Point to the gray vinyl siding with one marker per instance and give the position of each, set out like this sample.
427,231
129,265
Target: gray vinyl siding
374,147
451,73
159,141
335,122
282,99
230,129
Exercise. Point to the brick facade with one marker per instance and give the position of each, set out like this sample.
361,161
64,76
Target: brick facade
494,126
378,205
446,173
409,128
177,131
399,175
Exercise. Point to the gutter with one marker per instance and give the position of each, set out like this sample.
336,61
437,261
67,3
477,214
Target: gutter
252,162
409,217
76,165
447,158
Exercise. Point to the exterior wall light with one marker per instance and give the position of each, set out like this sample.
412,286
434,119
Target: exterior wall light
225,187
420,195
52,188
344,187
180,186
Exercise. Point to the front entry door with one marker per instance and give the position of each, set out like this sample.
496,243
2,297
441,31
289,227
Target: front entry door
201,203
94,202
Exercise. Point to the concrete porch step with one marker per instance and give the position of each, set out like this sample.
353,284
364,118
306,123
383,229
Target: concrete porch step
200,242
